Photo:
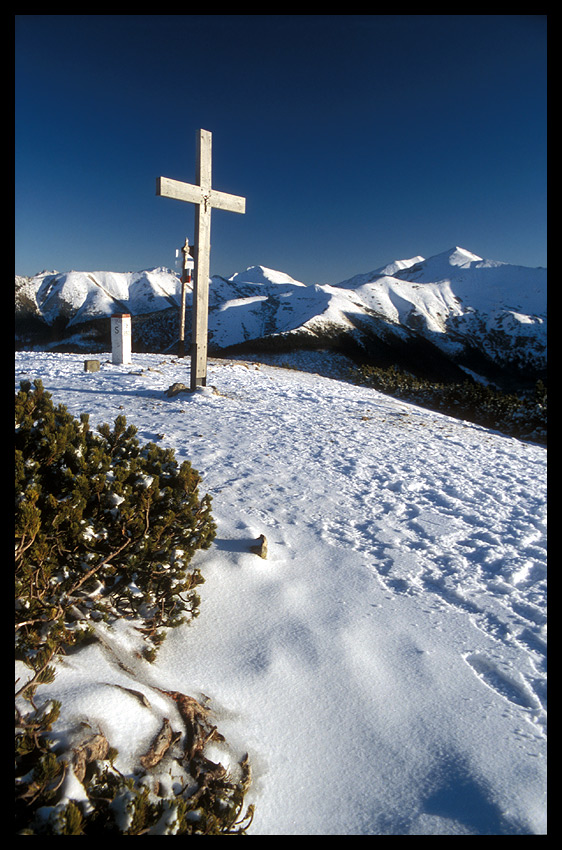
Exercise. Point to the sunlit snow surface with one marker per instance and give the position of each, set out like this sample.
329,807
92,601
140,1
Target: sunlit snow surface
385,667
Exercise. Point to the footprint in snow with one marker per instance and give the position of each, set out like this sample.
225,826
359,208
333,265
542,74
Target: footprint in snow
512,687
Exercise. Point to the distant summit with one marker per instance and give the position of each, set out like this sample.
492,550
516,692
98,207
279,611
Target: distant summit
389,270
261,274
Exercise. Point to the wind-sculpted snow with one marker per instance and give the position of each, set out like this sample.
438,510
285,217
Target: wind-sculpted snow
385,667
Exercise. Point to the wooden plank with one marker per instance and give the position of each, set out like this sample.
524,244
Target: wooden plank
224,201
168,188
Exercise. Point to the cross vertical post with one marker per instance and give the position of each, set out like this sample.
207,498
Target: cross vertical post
205,198
202,263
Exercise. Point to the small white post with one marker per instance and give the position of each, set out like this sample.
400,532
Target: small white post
121,338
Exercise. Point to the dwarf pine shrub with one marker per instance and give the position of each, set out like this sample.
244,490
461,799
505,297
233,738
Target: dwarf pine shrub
524,417
105,527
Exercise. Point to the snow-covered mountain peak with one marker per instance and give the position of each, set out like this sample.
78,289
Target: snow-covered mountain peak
460,256
262,274
439,266
434,268
446,266
398,265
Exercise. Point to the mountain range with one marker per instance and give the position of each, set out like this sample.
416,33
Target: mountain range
442,317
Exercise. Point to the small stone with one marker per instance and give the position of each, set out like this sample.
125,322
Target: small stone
260,546
177,388
91,365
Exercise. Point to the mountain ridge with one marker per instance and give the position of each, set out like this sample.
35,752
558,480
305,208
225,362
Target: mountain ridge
454,308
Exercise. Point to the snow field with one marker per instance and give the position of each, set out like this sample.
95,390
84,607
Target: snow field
385,667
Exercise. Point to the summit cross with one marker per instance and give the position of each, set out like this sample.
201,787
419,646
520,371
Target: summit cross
205,198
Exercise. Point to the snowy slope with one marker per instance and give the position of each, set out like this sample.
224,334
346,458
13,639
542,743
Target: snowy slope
455,301
390,269
503,296
82,296
457,297
385,667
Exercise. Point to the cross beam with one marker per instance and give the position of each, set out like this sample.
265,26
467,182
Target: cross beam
205,198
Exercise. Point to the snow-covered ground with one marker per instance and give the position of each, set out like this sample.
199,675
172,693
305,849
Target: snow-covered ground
385,667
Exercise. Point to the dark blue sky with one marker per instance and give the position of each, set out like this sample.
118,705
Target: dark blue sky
356,139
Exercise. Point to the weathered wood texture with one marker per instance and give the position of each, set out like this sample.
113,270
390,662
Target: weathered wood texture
205,199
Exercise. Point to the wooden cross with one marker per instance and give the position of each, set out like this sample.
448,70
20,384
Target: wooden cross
204,198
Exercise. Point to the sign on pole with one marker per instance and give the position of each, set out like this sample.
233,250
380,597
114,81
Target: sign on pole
187,265
205,198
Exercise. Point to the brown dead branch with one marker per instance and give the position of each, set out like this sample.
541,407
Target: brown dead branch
91,750
159,746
